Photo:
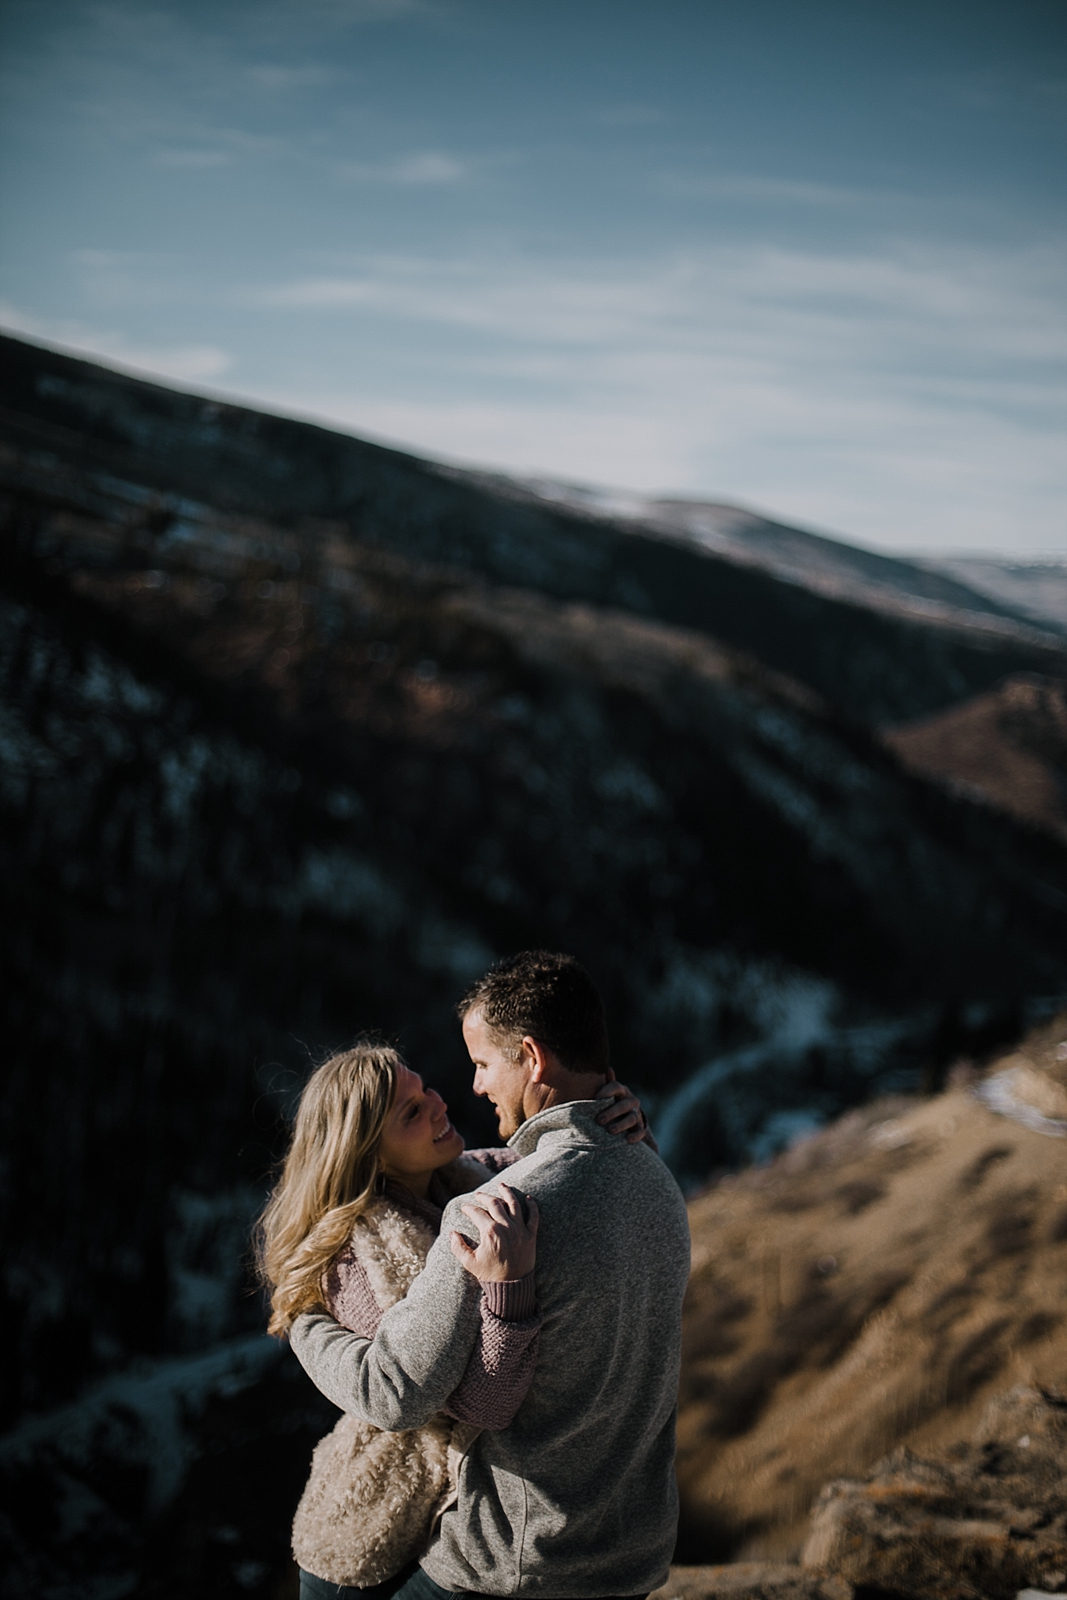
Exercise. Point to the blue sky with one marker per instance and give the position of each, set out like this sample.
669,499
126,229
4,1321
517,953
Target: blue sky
809,256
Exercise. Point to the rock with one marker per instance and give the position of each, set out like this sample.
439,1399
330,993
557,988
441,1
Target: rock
983,1522
752,1580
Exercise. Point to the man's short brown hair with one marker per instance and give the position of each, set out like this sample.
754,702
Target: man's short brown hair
549,997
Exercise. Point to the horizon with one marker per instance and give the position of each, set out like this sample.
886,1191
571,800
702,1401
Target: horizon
1052,558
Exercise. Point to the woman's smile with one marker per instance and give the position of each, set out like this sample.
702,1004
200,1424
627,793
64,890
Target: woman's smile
417,1137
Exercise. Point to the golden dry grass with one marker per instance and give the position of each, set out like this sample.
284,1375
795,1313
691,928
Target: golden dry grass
874,1287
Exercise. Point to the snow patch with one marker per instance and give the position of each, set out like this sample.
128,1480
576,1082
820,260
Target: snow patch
141,1417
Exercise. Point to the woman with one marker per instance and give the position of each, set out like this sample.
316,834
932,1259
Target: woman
373,1162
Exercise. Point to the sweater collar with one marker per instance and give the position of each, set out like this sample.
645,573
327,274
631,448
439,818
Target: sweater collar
430,1209
573,1123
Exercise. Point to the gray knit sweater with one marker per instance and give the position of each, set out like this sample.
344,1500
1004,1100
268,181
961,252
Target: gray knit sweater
576,1498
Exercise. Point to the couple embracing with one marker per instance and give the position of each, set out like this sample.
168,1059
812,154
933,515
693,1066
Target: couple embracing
501,1328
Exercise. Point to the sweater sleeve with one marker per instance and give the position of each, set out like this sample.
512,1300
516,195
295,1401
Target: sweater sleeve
419,1352
502,1363
349,1297
496,1160
421,1348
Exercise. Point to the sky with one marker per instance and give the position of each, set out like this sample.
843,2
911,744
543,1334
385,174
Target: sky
803,255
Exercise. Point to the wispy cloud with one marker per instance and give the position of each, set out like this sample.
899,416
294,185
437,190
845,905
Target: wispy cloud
886,394
118,282
195,160
320,294
199,148
346,13
789,303
994,91
760,189
272,76
426,167
636,115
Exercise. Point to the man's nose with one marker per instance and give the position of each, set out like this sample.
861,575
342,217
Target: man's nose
479,1084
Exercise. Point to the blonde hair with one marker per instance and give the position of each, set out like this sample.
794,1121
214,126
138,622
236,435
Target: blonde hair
328,1179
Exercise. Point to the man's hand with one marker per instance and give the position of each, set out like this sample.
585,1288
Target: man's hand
623,1114
507,1247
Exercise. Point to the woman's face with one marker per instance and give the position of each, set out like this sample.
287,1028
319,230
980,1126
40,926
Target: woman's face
417,1137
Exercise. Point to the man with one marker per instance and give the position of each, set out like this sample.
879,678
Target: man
576,1498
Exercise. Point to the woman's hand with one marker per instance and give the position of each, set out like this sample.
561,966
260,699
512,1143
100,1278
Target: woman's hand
507,1248
623,1114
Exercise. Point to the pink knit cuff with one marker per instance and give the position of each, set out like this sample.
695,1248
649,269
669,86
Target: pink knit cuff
514,1301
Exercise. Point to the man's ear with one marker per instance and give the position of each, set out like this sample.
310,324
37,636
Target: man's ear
536,1058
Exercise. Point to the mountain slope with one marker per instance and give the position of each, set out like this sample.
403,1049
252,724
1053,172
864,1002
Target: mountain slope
933,591
1008,747
876,664
1036,589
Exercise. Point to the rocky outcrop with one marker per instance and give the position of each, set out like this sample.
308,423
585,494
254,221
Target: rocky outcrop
981,1522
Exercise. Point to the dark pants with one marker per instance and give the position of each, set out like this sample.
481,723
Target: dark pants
312,1588
410,1584
421,1587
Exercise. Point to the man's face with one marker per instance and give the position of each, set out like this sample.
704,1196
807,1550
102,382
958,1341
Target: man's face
501,1080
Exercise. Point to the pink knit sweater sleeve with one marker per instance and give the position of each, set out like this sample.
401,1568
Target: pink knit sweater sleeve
349,1296
496,1160
502,1363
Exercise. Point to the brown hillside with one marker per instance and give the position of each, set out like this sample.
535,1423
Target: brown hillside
875,1286
1007,747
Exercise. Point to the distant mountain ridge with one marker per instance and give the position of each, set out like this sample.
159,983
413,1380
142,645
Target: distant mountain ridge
932,589
1036,588
868,633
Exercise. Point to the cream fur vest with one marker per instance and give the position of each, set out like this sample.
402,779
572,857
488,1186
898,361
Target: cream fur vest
372,1497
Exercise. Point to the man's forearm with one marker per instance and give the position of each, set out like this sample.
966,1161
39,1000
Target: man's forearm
403,1376
327,1354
